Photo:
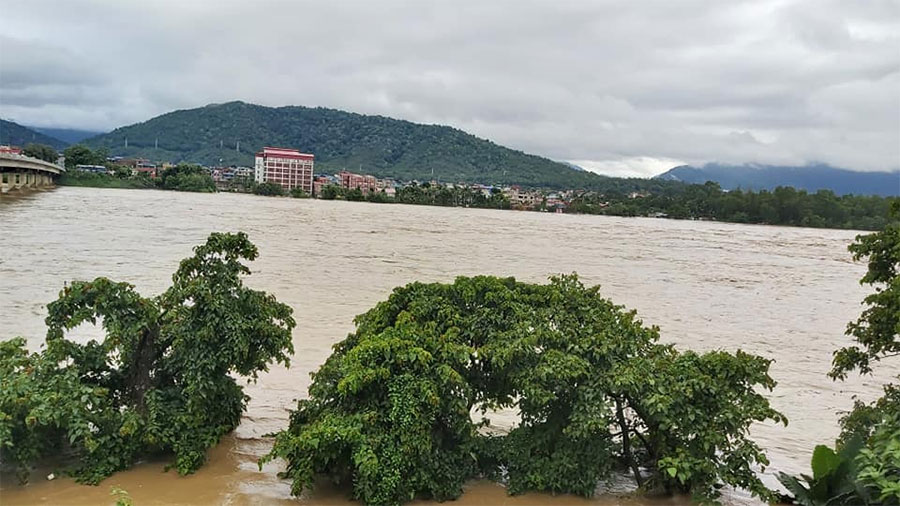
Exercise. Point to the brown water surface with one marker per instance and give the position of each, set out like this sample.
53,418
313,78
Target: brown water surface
784,293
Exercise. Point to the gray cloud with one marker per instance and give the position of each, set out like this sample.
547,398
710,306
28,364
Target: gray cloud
622,87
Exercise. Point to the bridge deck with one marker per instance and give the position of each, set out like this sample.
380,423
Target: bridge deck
21,162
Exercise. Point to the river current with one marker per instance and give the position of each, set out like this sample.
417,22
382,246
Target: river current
783,293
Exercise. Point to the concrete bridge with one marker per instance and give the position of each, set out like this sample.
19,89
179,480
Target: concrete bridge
25,172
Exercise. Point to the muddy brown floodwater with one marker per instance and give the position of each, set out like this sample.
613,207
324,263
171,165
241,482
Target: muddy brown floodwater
783,293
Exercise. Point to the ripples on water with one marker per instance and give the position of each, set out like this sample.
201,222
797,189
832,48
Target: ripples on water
784,293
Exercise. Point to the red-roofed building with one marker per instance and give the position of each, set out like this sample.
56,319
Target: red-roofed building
287,167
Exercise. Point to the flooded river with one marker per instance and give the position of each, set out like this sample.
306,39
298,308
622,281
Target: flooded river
784,293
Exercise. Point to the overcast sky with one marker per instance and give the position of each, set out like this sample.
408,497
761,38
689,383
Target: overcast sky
622,87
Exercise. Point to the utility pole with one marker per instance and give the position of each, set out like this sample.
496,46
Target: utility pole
238,147
126,142
156,143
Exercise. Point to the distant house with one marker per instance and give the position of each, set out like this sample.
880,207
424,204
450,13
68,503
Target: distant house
145,169
522,198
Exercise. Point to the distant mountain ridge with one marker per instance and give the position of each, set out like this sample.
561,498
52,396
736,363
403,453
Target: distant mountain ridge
809,177
232,132
14,134
69,135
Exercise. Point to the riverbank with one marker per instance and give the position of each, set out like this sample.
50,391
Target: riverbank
91,180
866,213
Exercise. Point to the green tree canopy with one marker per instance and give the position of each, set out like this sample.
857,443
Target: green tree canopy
41,152
160,381
269,189
187,177
79,154
878,328
390,412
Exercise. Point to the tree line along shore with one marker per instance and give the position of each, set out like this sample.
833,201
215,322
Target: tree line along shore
619,197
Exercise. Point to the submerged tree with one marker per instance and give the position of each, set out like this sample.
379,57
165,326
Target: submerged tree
159,382
390,412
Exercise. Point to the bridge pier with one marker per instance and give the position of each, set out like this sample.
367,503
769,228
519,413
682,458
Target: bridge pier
11,180
19,172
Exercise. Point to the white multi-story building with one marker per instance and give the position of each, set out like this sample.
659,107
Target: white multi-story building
287,167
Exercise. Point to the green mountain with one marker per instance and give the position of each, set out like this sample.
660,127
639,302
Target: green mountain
14,134
376,145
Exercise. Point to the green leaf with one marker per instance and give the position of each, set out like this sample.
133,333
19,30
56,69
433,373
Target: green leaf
824,462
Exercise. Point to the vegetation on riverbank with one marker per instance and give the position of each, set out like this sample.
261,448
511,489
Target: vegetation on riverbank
388,414
160,382
90,179
783,206
182,177
424,194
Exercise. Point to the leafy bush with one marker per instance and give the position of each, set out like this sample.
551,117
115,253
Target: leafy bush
354,195
161,381
330,192
833,481
269,189
299,193
90,179
388,414
41,152
879,461
187,177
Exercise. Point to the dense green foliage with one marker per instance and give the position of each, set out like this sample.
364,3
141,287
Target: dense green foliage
424,194
440,195
390,412
299,193
78,178
833,481
160,381
783,206
187,177
381,146
877,330
79,154
14,134
41,152
268,189
182,177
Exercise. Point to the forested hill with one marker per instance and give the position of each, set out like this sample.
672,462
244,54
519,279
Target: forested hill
371,144
14,134
809,177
